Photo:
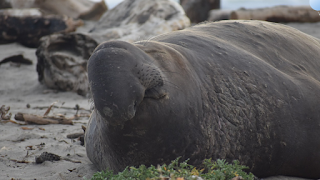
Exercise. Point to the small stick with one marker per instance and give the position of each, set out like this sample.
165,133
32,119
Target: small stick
75,135
35,119
73,108
49,109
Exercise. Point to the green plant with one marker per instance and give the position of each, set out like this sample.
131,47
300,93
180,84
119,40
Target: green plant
215,170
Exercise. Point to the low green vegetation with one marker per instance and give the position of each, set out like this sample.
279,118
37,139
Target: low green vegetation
213,170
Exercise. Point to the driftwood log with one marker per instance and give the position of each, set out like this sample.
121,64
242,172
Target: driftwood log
62,61
84,9
278,14
29,29
219,14
41,120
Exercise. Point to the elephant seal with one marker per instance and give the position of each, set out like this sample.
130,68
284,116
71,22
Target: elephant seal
246,90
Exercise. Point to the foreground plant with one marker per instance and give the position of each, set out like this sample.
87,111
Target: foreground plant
214,170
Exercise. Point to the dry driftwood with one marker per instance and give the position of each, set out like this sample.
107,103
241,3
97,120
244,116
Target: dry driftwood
28,29
219,14
62,61
278,14
75,135
36,119
83,9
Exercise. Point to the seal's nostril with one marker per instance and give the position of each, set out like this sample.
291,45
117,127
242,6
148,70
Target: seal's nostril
135,105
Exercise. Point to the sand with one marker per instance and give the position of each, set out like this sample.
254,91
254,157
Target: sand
19,86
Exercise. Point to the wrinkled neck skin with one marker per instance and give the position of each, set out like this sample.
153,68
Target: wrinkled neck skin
131,87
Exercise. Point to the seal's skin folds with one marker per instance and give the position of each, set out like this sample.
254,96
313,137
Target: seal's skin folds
246,90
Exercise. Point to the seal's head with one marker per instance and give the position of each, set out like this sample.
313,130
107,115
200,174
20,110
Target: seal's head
121,76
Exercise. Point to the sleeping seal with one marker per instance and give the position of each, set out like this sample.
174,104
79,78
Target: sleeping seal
246,90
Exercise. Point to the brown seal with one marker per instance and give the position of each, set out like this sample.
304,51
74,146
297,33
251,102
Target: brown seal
246,90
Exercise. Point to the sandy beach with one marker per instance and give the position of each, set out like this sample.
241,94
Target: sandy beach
20,144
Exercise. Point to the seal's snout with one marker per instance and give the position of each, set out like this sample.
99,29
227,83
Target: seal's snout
116,90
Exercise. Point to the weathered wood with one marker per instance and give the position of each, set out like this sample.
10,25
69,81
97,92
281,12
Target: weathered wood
75,135
62,61
219,14
84,9
278,14
36,119
29,29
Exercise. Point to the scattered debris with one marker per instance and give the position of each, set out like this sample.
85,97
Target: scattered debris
278,14
45,156
79,136
29,147
26,128
61,107
43,129
75,135
3,113
36,119
14,122
19,161
49,109
19,58
72,169
54,119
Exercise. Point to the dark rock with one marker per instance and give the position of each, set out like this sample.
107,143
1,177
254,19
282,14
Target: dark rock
198,10
28,29
4,4
19,58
